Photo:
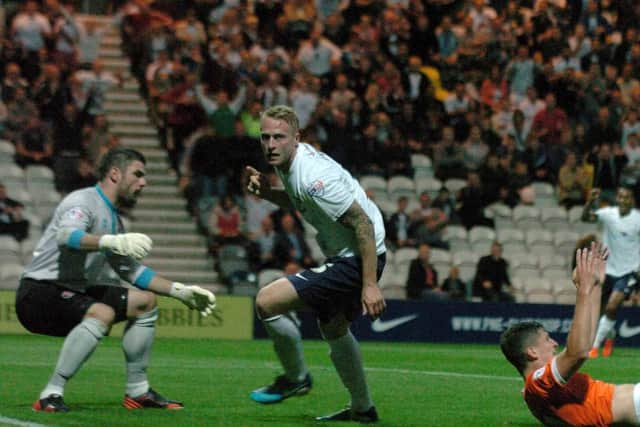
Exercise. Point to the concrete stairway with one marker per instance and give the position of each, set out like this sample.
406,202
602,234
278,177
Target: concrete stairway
179,252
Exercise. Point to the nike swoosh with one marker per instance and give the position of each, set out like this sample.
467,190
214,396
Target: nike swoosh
627,331
300,276
379,325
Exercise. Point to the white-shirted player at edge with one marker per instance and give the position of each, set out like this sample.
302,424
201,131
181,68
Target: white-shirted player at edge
351,235
621,234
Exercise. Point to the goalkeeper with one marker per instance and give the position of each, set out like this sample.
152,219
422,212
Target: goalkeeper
72,289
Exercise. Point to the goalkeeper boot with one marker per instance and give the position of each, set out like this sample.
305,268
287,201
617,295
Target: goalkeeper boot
368,416
51,403
281,389
150,399
607,348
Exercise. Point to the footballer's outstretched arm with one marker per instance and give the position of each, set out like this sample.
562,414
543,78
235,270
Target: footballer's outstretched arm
259,185
590,265
356,219
588,212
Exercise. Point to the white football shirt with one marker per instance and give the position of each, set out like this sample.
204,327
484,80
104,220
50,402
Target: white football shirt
622,236
322,191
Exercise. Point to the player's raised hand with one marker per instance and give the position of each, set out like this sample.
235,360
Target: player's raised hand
194,297
601,256
258,182
373,304
588,263
136,245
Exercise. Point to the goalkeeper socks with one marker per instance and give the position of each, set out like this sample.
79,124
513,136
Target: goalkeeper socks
77,347
347,359
287,344
136,344
605,325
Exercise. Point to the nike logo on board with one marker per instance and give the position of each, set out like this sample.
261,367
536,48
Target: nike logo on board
380,325
627,331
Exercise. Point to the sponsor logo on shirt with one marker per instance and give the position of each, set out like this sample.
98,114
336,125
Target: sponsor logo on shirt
67,294
316,189
75,214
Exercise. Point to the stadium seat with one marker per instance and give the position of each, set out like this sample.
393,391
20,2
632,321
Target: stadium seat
442,269
245,289
401,274
405,255
232,259
422,165
454,234
386,206
481,238
554,218
526,217
268,275
388,277
501,214
10,274
439,256
514,248
21,194
565,298
543,189
376,184
454,185
395,292
428,184
400,185
510,235
560,285
552,260
9,245
391,255
12,175
467,263
540,241
540,298
546,202
7,152
534,284
575,214
553,273
565,242
523,265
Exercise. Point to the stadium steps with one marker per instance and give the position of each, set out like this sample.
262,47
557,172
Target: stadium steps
179,252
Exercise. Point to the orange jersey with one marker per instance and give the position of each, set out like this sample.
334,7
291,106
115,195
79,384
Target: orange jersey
581,401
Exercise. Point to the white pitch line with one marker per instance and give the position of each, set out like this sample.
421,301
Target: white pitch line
14,422
236,364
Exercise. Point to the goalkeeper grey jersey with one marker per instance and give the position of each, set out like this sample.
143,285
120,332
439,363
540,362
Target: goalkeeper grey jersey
57,257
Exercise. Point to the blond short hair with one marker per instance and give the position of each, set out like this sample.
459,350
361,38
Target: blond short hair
284,113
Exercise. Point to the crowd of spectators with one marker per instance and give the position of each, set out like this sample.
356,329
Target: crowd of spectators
500,93
52,89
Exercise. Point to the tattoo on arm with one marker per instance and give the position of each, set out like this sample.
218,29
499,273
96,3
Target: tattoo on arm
356,219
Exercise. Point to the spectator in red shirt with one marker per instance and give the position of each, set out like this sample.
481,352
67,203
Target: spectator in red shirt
549,123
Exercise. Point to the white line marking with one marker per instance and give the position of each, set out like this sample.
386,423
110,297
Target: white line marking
19,423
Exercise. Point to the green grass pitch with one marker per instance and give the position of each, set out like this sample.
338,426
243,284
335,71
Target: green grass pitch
420,384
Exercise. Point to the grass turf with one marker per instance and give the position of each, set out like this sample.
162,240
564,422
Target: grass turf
412,384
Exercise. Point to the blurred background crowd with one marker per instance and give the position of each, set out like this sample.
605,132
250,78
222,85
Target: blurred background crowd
492,97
